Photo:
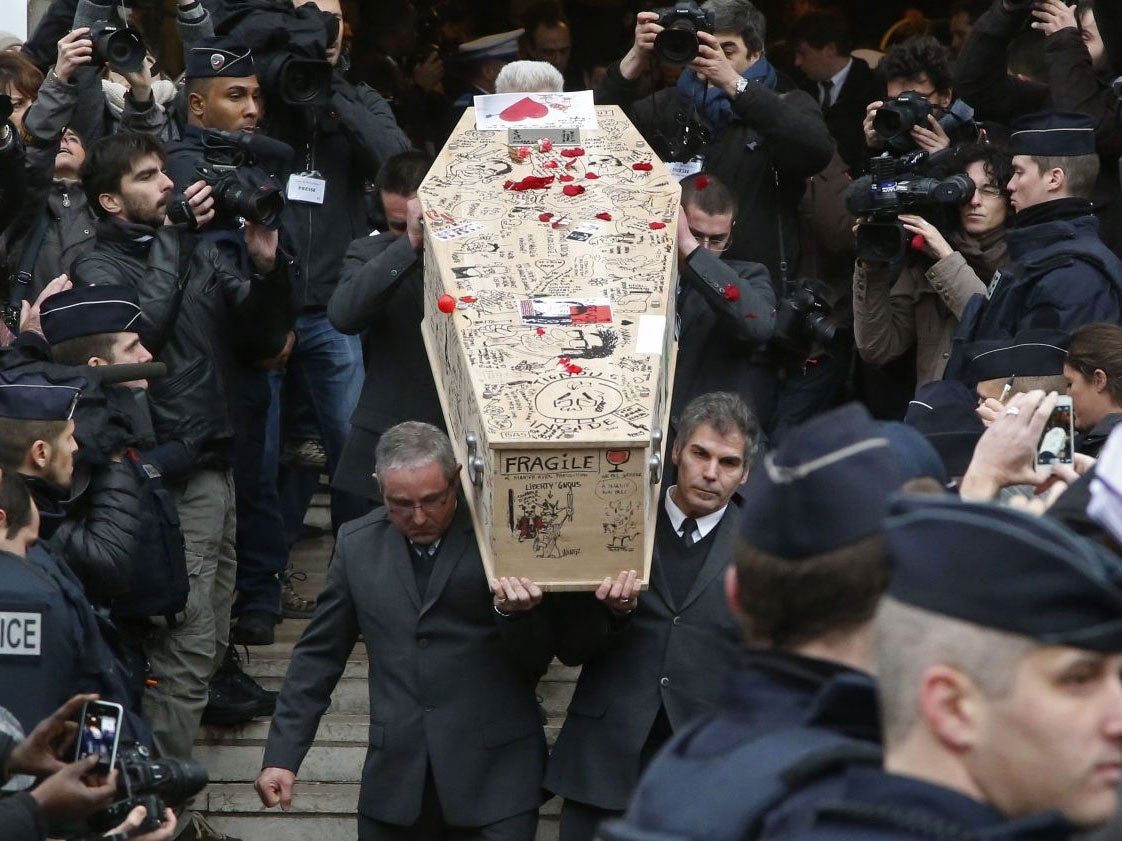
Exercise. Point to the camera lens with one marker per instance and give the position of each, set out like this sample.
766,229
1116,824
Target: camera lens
121,48
888,122
305,82
677,44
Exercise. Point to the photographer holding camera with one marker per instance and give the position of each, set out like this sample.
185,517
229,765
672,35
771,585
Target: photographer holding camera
919,301
1079,77
732,115
920,110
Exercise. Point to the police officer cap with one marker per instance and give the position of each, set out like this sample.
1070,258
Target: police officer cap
216,56
89,311
943,411
36,397
502,45
825,486
1038,353
1005,570
1053,133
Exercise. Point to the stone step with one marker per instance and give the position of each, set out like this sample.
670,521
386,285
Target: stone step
319,811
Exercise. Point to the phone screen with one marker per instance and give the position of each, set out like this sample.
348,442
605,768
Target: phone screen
98,731
1057,444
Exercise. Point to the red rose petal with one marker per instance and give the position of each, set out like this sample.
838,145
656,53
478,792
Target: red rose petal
564,178
657,226
564,360
607,217
574,152
701,182
540,331
573,189
545,144
544,217
550,164
446,304
468,299
530,182
643,166
591,176
573,369
732,293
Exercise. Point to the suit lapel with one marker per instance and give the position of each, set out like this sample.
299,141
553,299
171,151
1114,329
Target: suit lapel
455,543
659,583
403,566
720,553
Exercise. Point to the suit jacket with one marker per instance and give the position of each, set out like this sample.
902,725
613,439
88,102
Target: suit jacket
846,115
665,656
720,340
381,294
450,687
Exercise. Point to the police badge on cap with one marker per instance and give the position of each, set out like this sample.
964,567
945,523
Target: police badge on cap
213,57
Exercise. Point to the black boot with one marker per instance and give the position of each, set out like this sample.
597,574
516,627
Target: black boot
264,700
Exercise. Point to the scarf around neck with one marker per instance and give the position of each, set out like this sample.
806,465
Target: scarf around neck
713,101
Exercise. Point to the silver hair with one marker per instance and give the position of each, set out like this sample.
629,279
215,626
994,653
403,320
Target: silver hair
529,77
725,412
413,444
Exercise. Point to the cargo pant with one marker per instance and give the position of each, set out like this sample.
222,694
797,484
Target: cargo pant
184,658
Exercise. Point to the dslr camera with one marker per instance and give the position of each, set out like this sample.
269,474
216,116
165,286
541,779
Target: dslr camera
677,44
802,320
239,186
152,783
117,46
897,185
895,120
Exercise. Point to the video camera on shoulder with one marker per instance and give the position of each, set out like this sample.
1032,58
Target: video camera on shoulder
677,45
239,186
895,186
894,121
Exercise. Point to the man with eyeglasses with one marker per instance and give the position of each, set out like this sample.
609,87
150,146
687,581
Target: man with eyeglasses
725,309
456,742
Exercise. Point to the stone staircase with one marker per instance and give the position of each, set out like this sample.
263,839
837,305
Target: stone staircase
326,795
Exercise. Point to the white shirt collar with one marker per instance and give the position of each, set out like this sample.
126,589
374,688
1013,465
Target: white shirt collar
839,79
705,524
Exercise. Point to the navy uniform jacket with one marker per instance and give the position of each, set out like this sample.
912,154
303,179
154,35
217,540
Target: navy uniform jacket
772,692
878,806
667,656
1060,277
450,688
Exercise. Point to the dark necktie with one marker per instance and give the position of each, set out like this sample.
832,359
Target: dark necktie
422,565
827,87
688,531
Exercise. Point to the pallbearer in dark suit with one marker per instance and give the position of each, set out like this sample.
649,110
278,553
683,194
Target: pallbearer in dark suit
843,85
456,741
653,663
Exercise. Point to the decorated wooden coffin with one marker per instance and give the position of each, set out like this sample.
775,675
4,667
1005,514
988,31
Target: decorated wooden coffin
550,273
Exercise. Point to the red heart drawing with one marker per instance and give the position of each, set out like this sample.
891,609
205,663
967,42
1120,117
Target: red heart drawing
524,109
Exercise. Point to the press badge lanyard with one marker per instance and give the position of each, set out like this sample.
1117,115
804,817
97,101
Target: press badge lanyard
309,186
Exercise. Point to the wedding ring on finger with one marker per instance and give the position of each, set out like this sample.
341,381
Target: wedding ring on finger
1012,410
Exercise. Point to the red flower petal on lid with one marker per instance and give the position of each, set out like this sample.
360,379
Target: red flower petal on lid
657,226
701,182
550,164
468,299
732,293
545,144
643,166
574,152
544,217
573,189
540,331
564,178
591,176
446,304
573,369
607,217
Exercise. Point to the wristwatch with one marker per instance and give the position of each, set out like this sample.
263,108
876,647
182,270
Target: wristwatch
741,86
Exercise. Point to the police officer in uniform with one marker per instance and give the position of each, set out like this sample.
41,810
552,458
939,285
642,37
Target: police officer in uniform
1061,275
999,659
809,572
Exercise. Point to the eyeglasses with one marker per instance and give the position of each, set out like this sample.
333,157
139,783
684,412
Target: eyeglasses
430,505
720,243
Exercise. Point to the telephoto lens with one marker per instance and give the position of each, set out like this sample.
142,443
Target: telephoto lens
117,47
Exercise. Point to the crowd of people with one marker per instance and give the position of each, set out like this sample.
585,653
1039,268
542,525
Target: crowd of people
886,593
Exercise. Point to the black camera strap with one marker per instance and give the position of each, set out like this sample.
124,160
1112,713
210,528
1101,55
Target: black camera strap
21,281
784,278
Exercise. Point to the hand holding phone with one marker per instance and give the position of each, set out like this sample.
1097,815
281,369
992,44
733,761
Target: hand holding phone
1057,442
99,731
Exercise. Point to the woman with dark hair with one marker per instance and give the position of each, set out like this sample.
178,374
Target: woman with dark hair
19,80
1093,369
919,302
